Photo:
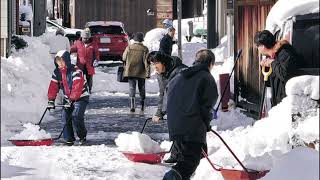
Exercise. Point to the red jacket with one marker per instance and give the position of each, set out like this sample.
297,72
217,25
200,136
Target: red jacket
71,81
86,56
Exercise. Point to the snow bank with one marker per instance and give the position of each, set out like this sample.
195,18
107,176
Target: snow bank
25,77
31,132
153,37
300,163
261,145
137,143
281,12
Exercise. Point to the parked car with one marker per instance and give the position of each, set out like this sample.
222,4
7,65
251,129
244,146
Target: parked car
110,38
69,32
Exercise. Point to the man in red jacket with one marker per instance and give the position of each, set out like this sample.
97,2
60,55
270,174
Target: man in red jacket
87,55
69,78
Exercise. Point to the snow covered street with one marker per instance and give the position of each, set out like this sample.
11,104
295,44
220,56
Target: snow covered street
285,142
107,115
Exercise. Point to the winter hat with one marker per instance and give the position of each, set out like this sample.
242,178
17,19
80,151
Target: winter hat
167,23
265,38
60,31
138,37
86,33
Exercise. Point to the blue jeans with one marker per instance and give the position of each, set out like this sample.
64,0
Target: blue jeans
75,115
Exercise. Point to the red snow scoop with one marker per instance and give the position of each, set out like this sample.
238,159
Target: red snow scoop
150,158
232,174
41,142
38,142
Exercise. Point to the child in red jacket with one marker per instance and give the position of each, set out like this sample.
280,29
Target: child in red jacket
69,78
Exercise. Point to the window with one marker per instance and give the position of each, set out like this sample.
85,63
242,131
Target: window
106,30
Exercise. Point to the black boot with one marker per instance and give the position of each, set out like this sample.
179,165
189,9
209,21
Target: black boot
142,105
132,104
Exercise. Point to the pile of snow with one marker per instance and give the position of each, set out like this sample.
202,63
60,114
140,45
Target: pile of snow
303,92
261,145
153,37
137,143
220,52
300,163
25,77
31,132
281,12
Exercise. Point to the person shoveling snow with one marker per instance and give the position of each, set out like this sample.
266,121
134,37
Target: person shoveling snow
31,132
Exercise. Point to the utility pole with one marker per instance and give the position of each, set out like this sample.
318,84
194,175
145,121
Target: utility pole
53,12
211,24
179,10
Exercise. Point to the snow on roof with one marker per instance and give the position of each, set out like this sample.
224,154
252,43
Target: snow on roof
104,23
284,9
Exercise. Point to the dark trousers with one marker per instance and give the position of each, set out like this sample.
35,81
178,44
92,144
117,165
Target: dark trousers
141,86
89,81
188,158
74,116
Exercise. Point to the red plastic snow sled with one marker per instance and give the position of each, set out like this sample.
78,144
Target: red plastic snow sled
148,158
232,174
38,142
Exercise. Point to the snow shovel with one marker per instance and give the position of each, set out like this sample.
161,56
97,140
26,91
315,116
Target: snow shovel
149,158
233,174
215,111
38,142
266,75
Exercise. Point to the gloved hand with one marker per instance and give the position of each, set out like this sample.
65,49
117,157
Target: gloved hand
156,119
95,63
67,103
51,104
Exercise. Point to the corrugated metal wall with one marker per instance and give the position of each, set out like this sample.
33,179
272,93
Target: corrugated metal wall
250,17
133,13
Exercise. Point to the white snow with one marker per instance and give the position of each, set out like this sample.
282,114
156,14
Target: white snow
284,9
300,163
153,37
27,9
137,143
31,132
304,86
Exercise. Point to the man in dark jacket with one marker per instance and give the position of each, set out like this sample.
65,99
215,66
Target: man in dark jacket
167,41
281,57
191,97
70,79
167,68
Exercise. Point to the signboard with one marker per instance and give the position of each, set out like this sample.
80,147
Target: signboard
164,11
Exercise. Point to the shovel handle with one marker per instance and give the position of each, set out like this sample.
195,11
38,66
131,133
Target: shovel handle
244,168
206,156
42,116
225,88
144,125
266,74
60,132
